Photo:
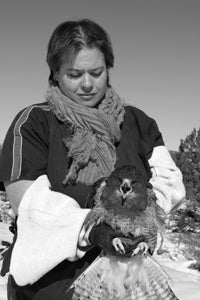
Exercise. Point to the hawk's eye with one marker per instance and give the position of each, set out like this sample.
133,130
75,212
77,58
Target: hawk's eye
133,182
120,180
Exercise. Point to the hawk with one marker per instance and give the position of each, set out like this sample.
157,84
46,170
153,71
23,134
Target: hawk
126,202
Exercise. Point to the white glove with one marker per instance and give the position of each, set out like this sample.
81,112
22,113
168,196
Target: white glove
167,180
49,224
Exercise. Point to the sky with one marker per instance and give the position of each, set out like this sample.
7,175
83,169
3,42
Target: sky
157,56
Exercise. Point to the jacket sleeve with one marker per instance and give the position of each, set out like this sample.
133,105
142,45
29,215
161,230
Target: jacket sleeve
166,179
25,148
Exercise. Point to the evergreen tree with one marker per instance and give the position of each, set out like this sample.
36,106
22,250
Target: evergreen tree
188,160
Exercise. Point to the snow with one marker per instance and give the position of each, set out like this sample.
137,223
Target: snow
185,282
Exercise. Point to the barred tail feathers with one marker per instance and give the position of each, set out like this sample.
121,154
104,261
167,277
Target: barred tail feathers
118,278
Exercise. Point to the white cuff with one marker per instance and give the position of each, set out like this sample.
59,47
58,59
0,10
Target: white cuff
48,225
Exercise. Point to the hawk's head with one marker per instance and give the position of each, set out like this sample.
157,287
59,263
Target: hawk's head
125,187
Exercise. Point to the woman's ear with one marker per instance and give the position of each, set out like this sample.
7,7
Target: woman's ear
53,80
55,76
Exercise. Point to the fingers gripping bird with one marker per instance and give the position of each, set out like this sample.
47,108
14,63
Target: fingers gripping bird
126,202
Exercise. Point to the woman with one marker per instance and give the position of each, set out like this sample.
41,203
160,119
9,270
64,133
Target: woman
55,150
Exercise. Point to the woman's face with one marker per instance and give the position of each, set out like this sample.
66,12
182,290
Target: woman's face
84,80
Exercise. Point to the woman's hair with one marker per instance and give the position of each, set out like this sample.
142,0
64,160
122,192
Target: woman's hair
72,36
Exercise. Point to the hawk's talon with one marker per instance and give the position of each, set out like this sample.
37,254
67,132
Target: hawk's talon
141,248
117,244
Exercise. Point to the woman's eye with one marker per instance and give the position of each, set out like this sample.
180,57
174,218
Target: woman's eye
96,74
74,76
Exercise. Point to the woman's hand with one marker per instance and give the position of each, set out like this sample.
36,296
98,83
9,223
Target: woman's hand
102,236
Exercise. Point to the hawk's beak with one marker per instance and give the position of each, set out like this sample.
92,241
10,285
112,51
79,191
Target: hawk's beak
125,188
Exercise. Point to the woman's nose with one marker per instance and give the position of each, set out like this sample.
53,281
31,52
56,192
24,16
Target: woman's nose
87,84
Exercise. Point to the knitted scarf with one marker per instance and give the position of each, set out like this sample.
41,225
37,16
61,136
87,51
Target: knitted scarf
95,131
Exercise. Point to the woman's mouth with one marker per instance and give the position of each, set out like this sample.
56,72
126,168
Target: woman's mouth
87,96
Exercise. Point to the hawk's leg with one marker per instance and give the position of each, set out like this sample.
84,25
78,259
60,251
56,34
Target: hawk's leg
141,248
117,244
123,245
